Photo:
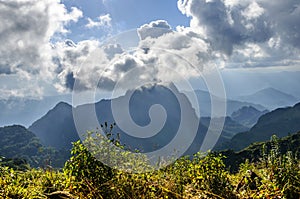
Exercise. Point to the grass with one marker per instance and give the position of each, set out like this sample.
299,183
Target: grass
275,176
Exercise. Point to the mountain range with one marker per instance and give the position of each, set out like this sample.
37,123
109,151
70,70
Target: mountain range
205,98
280,122
247,115
247,124
22,111
270,98
57,128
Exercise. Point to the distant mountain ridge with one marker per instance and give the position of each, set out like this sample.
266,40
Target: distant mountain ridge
280,122
204,101
270,98
57,127
230,129
247,115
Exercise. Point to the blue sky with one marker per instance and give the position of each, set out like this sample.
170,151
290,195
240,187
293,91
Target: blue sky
126,15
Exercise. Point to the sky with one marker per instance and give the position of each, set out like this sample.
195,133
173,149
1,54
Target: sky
52,47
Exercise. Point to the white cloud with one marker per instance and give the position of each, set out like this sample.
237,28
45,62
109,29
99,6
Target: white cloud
102,21
155,59
259,32
86,62
253,11
26,29
154,29
244,33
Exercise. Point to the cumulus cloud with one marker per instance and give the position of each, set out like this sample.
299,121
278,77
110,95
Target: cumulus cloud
69,57
102,21
160,56
90,64
226,25
154,29
243,33
259,33
26,27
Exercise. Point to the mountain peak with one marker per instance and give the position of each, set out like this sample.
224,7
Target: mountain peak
15,126
270,98
280,122
62,104
247,115
273,91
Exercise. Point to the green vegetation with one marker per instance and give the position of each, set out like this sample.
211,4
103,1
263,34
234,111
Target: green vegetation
274,175
254,152
20,148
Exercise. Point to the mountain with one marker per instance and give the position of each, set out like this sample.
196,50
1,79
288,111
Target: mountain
17,141
279,122
230,128
56,128
25,111
141,107
270,98
138,107
204,101
247,115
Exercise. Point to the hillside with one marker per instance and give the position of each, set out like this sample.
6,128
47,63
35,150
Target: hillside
56,128
280,122
247,115
18,146
230,129
17,142
254,152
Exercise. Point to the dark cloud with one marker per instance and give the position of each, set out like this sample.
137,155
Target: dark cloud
228,26
284,16
5,70
251,33
125,65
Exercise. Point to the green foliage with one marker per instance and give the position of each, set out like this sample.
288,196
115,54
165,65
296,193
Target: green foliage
275,175
22,148
283,170
261,150
29,184
85,173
